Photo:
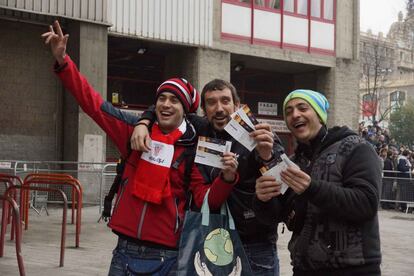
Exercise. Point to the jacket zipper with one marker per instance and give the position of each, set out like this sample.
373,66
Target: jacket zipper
120,195
141,220
177,215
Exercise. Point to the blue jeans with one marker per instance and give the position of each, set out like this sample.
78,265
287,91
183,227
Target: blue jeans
131,259
263,258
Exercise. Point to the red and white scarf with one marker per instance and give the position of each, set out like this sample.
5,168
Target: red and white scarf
152,177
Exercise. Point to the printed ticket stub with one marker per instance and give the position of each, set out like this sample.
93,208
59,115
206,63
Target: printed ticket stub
241,124
210,151
250,115
274,169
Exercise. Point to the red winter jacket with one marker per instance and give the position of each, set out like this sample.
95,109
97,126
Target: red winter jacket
133,217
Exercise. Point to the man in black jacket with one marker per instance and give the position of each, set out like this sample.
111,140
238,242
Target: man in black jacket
219,100
332,200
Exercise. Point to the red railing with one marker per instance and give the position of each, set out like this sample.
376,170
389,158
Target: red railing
18,222
36,179
18,231
54,176
10,180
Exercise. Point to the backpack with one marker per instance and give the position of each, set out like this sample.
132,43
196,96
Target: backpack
188,155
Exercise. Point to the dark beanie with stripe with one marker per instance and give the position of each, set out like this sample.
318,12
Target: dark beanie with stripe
183,90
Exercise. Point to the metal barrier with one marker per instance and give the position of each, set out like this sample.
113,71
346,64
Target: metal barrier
57,182
397,190
57,177
7,166
63,233
18,231
96,178
10,180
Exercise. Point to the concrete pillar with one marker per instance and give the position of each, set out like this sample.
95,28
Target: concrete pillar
340,85
84,141
198,65
212,64
88,46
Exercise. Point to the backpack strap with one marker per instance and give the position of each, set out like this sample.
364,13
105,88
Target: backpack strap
120,167
188,156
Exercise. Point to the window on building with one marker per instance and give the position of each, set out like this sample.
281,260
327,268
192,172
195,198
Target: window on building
289,5
260,3
316,8
365,68
397,99
328,7
303,7
274,4
401,56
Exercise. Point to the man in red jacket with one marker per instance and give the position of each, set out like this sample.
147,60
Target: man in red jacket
149,208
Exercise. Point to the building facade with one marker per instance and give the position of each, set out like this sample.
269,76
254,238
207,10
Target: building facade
387,69
126,48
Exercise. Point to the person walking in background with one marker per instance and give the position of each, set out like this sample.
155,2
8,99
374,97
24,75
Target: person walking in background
332,201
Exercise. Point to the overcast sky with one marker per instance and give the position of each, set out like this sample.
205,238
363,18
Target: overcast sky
378,15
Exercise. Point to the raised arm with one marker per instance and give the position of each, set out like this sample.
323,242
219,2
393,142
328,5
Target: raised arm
57,41
116,124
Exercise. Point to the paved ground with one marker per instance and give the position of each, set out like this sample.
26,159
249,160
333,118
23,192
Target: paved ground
42,240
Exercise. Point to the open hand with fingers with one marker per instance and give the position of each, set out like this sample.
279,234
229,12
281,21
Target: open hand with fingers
57,41
264,138
267,188
296,179
230,165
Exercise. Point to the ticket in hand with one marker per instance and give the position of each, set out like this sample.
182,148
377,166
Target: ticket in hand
274,169
210,151
241,124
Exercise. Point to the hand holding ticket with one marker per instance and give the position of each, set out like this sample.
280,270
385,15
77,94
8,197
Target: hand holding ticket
274,169
210,151
241,124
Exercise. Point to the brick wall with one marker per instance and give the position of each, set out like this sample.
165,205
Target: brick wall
29,95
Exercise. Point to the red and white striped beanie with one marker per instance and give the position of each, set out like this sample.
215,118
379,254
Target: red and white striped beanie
183,90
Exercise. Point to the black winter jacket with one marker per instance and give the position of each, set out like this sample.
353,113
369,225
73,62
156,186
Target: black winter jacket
334,222
243,194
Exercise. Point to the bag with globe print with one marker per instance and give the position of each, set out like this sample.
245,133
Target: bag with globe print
210,245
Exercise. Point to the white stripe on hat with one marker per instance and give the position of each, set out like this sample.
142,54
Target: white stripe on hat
183,90
194,96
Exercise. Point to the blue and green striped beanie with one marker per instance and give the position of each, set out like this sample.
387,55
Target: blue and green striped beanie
318,102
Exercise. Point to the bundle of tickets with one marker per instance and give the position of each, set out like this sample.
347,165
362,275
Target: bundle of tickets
241,124
210,151
275,167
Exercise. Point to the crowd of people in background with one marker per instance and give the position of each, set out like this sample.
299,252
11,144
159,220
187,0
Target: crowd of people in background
397,163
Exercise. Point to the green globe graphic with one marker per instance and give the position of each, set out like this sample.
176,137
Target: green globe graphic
218,247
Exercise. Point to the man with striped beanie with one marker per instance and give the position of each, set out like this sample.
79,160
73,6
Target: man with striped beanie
332,201
183,90
152,194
